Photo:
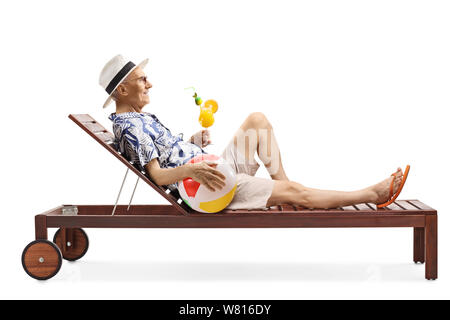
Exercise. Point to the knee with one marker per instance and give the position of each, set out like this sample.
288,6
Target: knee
258,120
299,194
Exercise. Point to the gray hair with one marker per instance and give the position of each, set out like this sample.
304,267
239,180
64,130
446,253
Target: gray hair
115,93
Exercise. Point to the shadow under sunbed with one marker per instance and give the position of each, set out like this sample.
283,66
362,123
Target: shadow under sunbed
238,271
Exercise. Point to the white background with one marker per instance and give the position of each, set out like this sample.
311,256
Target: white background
354,89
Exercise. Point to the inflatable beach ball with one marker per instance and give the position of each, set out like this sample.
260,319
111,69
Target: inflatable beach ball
199,198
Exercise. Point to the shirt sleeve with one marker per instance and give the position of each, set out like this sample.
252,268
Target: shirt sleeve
141,146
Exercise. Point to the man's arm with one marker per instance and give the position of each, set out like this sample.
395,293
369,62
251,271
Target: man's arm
167,176
202,172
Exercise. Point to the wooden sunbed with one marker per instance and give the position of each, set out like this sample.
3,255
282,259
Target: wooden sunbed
42,259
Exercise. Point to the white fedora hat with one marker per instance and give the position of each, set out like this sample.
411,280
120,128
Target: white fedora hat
114,72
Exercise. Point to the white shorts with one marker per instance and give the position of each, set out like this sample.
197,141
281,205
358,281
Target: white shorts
251,192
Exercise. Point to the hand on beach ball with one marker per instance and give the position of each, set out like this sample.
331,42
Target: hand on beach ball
199,197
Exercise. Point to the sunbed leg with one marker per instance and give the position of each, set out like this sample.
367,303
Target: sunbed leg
419,245
66,238
120,191
69,239
132,195
40,225
431,243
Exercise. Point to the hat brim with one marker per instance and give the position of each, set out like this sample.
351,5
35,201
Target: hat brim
141,65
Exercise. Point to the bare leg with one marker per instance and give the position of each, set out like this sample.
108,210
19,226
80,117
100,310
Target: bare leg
289,192
256,136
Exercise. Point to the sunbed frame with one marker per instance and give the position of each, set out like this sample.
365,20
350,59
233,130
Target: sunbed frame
42,259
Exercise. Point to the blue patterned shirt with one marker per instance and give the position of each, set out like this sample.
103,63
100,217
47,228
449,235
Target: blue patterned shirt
141,137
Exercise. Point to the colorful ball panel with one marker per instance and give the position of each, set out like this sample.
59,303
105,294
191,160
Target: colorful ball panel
200,198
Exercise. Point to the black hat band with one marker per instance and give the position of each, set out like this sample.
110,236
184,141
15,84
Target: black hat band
119,76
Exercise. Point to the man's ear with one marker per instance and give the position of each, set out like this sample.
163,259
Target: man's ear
122,90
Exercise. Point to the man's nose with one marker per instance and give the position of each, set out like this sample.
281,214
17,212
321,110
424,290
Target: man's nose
148,85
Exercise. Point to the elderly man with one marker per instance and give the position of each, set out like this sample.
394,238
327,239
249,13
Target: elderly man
143,139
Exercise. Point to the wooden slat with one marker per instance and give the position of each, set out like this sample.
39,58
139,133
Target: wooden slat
95,127
284,208
106,137
420,205
334,209
394,206
363,207
405,204
84,118
288,207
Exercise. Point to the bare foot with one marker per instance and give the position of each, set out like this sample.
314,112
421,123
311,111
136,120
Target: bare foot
381,189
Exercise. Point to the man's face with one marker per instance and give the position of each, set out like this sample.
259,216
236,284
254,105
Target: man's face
137,87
